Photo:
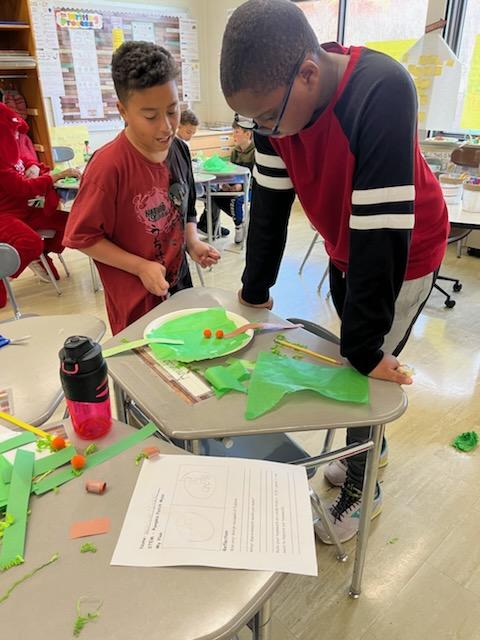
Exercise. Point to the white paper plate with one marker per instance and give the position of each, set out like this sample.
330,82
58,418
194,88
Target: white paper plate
234,317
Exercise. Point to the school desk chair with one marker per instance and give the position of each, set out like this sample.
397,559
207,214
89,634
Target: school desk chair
44,235
9,264
63,154
466,160
316,238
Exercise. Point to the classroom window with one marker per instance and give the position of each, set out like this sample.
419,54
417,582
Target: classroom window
323,17
396,23
468,106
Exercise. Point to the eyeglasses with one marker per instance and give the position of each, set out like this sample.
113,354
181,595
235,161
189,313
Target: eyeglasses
249,123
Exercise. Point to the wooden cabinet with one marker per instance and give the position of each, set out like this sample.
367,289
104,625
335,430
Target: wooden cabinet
210,143
16,34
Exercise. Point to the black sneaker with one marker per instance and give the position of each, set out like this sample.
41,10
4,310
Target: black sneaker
223,231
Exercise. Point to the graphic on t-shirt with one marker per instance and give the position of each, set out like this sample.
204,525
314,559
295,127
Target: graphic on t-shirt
157,213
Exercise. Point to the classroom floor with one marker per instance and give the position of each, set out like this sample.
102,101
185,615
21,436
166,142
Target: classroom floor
422,578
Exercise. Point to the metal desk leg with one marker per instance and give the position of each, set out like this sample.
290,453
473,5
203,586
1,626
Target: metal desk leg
320,513
369,485
261,626
193,446
209,212
120,403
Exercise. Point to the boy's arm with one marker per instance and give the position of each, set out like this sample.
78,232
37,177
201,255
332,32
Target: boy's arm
272,199
381,222
151,273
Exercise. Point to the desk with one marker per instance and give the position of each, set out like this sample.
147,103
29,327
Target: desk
175,603
214,418
31,369
461,218
225,177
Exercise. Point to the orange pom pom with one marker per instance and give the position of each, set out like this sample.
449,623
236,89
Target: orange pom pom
58,443
219,333
207,333
78,461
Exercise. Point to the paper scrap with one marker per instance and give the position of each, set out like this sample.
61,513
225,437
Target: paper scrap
93,527
218,512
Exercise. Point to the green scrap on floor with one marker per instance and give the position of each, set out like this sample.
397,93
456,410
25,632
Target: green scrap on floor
82,620
88,547
230,377
275,376
17,506
466,441
190,328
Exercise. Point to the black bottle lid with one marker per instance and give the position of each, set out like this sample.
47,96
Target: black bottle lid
80,355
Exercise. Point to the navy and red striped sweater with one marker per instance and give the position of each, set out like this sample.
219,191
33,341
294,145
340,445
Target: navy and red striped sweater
364,185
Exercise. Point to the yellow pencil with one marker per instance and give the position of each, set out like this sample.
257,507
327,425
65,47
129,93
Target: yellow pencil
23,425
308,352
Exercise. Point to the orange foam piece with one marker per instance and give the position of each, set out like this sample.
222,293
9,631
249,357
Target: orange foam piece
90,527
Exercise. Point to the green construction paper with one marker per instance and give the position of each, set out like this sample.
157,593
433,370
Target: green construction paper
466,441
125,346
5,470
189,328
17,506
229,378
57,459
216,164
17,441
275,376
52,481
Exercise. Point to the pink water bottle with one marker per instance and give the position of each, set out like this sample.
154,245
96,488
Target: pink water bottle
83,372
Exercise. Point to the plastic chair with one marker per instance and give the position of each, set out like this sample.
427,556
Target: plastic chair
316,238
9,264
63,154
50,233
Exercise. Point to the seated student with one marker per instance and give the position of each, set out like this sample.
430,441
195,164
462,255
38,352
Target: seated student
188,125
28,200
243,153
135,210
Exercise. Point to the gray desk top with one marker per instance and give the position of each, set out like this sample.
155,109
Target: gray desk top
461,218
31,369
217,418
177,603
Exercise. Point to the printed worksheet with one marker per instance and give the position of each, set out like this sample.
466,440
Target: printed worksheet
219,512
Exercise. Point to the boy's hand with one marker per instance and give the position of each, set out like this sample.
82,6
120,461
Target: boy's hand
71,172
387,369
202,253
264,305
152,275
33,171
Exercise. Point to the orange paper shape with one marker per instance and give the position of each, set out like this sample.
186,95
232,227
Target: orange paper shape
90,527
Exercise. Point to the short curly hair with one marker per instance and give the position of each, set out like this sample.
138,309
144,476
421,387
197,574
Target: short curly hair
262,42
138,65
188,117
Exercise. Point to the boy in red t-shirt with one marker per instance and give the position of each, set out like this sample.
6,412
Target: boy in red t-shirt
135,210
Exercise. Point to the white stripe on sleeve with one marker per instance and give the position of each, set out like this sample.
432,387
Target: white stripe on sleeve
383,221
273,162
383,195
272,182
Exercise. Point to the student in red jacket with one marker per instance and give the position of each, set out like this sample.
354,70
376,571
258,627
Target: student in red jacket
337,127
28,200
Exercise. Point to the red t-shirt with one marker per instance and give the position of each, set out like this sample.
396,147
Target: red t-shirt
127,199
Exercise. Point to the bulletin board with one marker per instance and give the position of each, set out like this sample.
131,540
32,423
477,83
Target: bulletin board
74,51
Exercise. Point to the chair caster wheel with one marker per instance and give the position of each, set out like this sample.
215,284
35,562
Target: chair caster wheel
450,304
457,287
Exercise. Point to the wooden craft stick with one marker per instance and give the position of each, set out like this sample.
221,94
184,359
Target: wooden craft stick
307,352
23,425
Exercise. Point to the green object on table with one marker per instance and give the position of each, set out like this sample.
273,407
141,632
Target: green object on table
275,377
190,328
17,441
215,164
49,463
69,180
52,481
135,344
228,378
17,506
466,441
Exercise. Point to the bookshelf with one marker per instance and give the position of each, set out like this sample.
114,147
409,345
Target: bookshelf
18,70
